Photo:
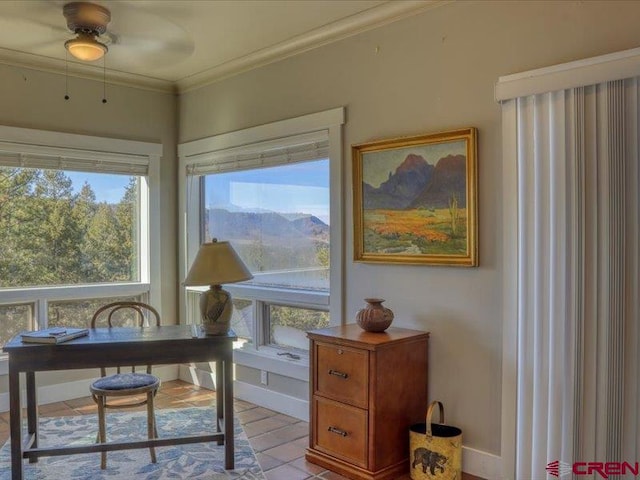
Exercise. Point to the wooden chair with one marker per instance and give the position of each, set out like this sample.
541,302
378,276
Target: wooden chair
125,384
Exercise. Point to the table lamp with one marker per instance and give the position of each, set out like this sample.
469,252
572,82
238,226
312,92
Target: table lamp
216,263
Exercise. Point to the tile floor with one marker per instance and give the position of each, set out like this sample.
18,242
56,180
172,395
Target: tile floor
278,440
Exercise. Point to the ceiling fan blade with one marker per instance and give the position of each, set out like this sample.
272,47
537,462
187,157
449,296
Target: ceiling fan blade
141,35
45,27
40,39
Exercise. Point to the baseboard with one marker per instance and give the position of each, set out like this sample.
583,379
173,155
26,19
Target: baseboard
279,402
481,464
202,378
61,392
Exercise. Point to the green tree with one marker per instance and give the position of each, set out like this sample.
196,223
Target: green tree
15,184
110,238
39,233
54,245
125,214
255,254
84,209
101,243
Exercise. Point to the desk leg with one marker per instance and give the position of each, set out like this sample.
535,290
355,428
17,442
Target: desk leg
219,397
32,411
229,440
15,420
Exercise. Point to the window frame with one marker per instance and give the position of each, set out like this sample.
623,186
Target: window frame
72,152
193,155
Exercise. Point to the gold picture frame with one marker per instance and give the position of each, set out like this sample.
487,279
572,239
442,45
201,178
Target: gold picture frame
415,199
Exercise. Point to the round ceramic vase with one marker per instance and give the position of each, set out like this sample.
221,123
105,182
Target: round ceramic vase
374,317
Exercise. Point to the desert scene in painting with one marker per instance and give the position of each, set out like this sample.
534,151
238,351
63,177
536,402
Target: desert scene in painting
415,200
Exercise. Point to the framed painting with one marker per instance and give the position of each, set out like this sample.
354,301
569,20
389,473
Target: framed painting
415,199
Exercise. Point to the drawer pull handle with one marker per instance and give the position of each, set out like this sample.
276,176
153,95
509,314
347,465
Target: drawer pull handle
338,374
337,431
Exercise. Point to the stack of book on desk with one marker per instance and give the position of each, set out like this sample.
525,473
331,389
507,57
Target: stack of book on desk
53,335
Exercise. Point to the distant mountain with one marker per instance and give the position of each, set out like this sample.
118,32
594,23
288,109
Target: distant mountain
402,186
241,225
449,177
312,226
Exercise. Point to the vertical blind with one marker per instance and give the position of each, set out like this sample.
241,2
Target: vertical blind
577,333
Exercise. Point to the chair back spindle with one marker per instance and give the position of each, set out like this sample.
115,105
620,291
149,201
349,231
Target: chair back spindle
143,312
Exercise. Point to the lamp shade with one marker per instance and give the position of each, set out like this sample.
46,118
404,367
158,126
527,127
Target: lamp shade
217,263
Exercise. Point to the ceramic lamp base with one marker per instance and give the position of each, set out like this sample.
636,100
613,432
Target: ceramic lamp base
216,309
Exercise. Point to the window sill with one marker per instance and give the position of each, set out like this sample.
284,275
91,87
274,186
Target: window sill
267,359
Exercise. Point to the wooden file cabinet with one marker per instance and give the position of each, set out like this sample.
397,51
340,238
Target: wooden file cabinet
367,389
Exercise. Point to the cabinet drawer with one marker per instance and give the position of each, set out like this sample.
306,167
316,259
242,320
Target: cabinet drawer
341,431
342,374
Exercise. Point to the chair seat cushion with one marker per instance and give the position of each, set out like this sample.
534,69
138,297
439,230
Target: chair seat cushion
125,381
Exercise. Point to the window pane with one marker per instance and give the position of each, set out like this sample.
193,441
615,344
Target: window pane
78,313
277,219
14,319
288,325
66,228
242,320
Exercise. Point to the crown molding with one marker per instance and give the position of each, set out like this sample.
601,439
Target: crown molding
367,20
380,15
87,71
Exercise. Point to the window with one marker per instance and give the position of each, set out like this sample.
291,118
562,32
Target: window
287,325
66,228
74,227
15,318
75,313
277,219
275,198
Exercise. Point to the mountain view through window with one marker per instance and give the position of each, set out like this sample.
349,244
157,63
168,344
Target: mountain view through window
277,219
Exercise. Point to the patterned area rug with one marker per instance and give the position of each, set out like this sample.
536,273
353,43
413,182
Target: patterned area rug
191,461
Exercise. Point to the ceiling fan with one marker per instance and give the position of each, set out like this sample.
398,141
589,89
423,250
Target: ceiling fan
88,21
145,37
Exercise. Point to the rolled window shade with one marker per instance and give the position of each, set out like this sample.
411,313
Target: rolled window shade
97,162
293,149
57,163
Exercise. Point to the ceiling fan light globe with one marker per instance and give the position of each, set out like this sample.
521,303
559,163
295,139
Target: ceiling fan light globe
86,48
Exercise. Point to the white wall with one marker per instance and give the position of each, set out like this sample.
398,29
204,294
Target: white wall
432,72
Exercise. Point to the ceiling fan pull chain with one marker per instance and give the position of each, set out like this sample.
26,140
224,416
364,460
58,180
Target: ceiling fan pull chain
66,76
104,79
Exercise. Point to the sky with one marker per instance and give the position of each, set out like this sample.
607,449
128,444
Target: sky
107,187
293,188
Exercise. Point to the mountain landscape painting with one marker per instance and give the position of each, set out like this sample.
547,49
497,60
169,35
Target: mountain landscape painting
415,199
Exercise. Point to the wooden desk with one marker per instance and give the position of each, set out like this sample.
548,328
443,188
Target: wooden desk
108,347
